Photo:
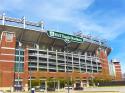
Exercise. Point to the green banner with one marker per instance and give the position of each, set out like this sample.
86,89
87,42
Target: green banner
65,37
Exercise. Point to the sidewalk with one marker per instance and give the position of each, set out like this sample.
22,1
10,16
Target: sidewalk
119,89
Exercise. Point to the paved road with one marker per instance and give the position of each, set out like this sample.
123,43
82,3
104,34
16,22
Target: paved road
121,89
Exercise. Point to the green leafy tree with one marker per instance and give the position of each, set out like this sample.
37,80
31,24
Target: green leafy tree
35,82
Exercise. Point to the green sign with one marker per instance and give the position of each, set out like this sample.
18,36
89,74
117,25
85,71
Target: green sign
65,37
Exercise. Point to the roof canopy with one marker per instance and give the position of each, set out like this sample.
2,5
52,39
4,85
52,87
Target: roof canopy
41,37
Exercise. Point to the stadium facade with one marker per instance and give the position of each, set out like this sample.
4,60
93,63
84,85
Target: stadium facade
115,70
27,51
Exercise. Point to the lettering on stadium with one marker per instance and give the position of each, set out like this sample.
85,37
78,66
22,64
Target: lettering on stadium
65,37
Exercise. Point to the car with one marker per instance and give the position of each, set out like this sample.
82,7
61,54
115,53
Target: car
42,89
78,88
39,89
1,91
50,89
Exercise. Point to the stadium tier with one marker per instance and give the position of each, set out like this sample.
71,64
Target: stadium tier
29,52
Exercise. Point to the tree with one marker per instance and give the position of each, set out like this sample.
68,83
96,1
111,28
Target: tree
35,82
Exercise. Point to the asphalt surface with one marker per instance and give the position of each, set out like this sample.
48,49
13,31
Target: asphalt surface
120,89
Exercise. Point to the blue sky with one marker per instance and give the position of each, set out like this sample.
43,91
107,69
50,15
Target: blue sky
102,18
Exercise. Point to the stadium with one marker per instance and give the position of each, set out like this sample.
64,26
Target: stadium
29,52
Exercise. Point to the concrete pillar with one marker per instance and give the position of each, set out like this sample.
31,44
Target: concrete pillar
58,85
87,83
56,61
46,86
74,85
3,17
47,60
85,61
72,63
81,84
65,61
12,89
37,47
26,87
20,44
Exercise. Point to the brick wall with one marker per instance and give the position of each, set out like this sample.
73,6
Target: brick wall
104,62
118,71
7,58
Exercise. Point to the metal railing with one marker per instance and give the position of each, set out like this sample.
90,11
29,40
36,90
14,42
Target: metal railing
21,21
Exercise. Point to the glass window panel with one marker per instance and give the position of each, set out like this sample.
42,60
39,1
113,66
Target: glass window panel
19,67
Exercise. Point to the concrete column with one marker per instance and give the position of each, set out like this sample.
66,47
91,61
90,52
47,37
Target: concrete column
47,61
3,17
87,83
74,85
97,64
24,22
85,61
81,84
65,61
72,63
37,47
26,87
42,25
56,62
105,52
91,63
12,89
58,85
20,44
45,86
79,64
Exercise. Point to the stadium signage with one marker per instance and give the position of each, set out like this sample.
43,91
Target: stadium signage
65,37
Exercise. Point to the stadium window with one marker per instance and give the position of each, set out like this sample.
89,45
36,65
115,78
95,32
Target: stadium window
17,58
21,52
21,58
17,52
9,37
18,67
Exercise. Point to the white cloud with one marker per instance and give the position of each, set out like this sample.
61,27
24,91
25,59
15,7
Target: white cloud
109,32
71,12
58,10
68,11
